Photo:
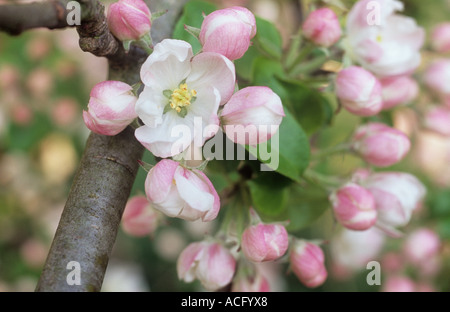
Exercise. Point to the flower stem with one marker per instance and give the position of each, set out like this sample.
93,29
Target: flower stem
340,148
304,53
294,48
329,182
310,66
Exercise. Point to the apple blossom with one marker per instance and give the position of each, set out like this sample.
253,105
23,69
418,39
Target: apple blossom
380,145
421,245
256,111
359,91
440,38
264,242
322,27
352,250
228,32
180,192
139,218
252,281
398,91
436,76
383,42
179,88
129,19
307,262
398,284
209,262
397,195
111,108
438,119
354,207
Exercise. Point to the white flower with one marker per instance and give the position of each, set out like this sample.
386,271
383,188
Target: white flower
180,89
384,43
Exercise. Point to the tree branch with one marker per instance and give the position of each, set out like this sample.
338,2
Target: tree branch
89,223
95,36
16,18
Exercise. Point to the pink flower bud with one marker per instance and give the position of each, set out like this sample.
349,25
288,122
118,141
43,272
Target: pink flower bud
421,245
228,32
438,120
252,115
437,75
398,91
398,284
380,145
264,242
255,282
396,195
322,27
129,19
307,262
139,218
180,192
359,91
354,207
209,262
440,38
110,108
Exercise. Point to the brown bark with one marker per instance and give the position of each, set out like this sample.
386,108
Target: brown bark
91,217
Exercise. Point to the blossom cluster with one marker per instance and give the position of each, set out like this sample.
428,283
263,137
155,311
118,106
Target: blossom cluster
178,88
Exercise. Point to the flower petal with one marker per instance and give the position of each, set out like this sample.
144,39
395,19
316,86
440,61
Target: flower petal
159,180
168,65
194,191
172,137
187,261
215,70
150,107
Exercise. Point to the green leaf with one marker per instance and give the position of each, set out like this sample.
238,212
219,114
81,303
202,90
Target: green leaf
288,149
311,109
192,16
244,65
268,38
305,207
270,194
264,72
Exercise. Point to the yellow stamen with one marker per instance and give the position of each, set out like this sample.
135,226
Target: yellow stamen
181,97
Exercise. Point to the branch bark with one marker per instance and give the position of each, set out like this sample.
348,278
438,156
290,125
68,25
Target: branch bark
89,223
16,18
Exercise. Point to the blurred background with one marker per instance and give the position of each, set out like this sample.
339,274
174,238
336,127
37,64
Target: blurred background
45,80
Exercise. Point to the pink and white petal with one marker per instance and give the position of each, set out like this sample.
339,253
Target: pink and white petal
150,107
212,213
215,70
173,136
173,205
193,190
120,108
216,267
168,65
103,127
252,97
110,89
160,180
187,261
206,107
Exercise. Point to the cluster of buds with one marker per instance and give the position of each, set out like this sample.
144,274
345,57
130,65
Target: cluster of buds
180,88
385,199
